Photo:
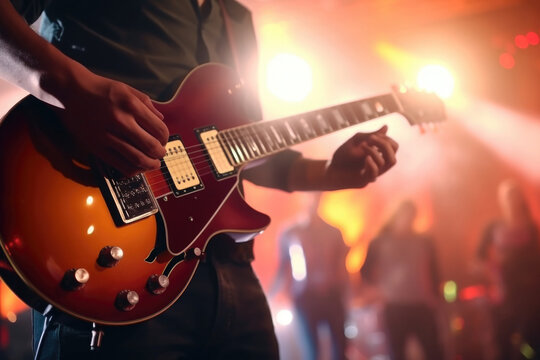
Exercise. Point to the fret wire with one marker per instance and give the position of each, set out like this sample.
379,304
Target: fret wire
290,131
304,128
257,138
358,111
322,123
251,142
243,148
237,147
268,133
268,137
328,121
232,147
347,108
276,134
223,143
279,138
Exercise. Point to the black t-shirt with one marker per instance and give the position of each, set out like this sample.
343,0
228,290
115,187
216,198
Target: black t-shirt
149,44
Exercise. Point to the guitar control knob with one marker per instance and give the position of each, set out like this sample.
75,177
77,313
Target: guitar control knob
126,300
109,256
75,279
194,253
157,284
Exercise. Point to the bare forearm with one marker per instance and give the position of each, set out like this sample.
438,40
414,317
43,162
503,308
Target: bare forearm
30,62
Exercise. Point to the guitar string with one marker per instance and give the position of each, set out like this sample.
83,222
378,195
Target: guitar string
243,149
264,131
245,146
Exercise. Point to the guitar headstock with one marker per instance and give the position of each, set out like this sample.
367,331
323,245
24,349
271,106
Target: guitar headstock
419,107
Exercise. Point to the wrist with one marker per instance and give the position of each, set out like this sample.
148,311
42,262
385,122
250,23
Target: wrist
60,80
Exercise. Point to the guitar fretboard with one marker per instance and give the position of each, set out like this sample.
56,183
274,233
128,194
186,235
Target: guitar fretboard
254,141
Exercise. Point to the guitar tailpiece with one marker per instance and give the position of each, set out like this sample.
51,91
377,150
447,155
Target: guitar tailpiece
97,338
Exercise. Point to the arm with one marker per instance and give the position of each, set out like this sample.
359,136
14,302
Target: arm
356,163
109,119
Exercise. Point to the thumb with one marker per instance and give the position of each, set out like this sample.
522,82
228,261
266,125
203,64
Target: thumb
382,130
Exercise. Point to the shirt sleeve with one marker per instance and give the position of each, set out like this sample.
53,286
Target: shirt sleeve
30,10
273,172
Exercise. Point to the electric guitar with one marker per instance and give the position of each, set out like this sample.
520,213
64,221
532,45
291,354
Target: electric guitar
117,251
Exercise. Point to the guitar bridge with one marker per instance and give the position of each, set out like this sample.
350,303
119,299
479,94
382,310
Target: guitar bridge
132,197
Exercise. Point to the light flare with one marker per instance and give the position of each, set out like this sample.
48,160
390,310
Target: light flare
436,79
289,77
298,262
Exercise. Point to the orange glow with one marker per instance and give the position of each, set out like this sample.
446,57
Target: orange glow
338,209
398,58
356,258
424,219
10,303
458,323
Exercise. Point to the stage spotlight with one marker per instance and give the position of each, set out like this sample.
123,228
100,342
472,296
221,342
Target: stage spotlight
437,79
284,317
289,77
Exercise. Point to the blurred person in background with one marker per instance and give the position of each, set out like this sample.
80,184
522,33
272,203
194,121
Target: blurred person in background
401,265
312,265
510,253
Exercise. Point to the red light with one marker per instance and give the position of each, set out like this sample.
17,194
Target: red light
521,41
472,292
507,61
532,38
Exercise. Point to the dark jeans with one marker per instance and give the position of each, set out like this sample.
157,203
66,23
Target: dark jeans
405,320
222,315
328,309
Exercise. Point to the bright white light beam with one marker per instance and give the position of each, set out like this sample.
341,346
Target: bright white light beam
436,79
289,77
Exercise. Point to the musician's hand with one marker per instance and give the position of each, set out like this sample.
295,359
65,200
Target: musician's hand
360,160
114,122
356,163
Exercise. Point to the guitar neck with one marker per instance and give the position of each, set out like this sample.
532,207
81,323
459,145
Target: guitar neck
255,141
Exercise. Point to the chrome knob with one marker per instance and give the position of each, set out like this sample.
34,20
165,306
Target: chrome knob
157,284
194,253
126,300
75,279
109,256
